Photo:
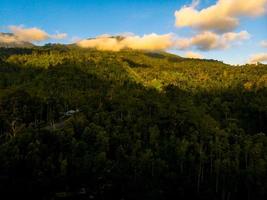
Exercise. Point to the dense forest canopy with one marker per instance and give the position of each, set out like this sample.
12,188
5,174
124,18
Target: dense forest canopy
86,124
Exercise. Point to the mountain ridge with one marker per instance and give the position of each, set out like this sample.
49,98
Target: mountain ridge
130,124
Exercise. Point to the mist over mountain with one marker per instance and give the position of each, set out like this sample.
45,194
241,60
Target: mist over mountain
8,40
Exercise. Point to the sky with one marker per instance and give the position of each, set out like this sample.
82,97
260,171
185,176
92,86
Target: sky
233,31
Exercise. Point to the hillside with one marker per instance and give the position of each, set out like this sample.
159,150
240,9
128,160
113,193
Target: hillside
81,123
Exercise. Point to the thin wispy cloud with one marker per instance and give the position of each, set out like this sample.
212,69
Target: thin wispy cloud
256,58
191,54
263,44
209,40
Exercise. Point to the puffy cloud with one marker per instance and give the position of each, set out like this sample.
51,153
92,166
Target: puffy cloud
221,17
6,38
28,34
146,42
232,36
264,43
101,43
209,40
19,34
191,54
149,42
261,57
203,41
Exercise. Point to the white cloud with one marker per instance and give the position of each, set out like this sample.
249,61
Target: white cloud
146,42
264,43
101,43
232,36
203,41
149,42
28,35
195,55
220,17
260,57
209,40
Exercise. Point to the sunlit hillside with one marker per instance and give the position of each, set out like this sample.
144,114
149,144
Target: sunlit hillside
86,124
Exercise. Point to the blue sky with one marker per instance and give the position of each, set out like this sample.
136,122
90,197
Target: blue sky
87,18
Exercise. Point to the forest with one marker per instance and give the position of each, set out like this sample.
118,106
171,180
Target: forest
86,124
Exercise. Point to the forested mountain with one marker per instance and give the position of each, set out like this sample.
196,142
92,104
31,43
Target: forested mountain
86,124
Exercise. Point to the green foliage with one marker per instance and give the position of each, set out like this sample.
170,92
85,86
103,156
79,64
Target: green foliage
83,124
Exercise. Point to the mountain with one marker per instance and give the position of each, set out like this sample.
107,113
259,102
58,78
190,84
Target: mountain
117,37
12,42
85,124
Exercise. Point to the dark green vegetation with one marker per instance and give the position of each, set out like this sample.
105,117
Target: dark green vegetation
84,124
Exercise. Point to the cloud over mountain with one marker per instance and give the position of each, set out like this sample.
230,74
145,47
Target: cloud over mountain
203,41
19,34
7,38
147,42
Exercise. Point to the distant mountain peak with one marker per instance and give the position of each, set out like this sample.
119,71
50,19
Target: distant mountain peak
118,37
7,34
